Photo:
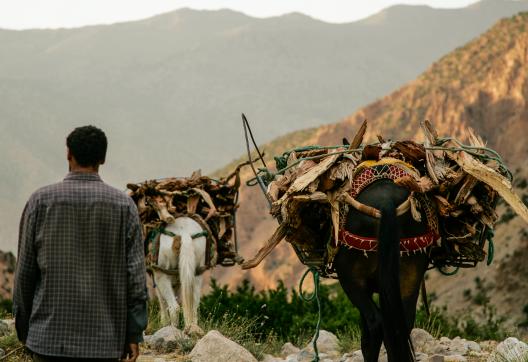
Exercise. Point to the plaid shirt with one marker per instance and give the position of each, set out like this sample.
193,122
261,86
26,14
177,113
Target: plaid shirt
80,288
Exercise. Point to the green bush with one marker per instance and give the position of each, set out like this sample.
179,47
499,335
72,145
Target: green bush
281,312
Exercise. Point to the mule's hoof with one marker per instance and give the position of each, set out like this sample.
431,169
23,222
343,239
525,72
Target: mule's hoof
194,331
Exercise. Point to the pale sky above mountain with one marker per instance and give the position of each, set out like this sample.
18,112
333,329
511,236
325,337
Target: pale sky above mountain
24,14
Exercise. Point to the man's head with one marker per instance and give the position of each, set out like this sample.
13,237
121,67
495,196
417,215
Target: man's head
86,147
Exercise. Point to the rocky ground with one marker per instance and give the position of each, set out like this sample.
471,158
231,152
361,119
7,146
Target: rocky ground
171,344
215,347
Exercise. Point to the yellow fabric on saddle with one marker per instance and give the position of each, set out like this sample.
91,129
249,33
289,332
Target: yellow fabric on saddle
410,169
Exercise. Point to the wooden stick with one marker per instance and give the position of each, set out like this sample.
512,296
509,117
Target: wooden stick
275,239
358,138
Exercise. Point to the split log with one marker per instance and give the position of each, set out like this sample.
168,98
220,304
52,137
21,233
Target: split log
492,178
160,206
309,176
358,138
275,239
412,152
207,198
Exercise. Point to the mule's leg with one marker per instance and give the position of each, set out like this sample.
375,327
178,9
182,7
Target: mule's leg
162,308
164,286
353,271
192,325
412,270
371,334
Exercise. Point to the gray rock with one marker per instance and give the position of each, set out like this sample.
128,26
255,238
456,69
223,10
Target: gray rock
5,329
357,356
457,346
436,358
168,339
288,349
326,343
215,347
421,338
2,353
305,356
473,346
511,349
455,358
421,357
270,358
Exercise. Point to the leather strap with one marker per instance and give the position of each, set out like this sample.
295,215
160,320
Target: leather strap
372,211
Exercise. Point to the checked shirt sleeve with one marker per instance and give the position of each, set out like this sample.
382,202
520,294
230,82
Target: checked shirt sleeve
136,279
27,272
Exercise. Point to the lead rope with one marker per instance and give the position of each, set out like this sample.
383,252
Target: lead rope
314,295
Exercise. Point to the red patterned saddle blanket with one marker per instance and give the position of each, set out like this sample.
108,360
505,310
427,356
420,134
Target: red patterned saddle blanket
368,172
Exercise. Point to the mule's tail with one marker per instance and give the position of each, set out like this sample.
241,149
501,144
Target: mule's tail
187,268
395,328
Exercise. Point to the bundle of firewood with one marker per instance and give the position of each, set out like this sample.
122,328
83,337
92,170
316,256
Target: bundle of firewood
212,203
456,186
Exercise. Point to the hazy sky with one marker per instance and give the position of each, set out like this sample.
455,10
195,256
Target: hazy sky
23,14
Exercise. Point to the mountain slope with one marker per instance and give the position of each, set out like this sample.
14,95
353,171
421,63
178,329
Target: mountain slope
483,85
168,90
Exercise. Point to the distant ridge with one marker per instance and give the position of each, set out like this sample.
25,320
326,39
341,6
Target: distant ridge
169,90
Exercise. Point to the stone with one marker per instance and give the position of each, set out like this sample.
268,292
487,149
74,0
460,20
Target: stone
421,357
511,349
7,326
270,358
288,349
168,339
305,356
215,347
473,346
326,343
420,338
436,358
357,356
457,346
455,358
2,353
168,333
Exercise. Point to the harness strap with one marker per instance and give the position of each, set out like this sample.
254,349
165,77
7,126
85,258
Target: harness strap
372,211
200,234
193,236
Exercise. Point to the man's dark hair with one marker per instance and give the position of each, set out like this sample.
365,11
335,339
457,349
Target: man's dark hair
87,145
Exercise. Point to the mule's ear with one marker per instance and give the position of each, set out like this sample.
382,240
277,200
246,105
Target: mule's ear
346,142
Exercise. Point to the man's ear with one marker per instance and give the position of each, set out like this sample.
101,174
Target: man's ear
69,155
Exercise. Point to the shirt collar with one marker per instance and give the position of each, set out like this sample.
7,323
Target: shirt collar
83,176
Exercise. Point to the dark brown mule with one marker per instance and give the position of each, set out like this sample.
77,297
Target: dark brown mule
396,279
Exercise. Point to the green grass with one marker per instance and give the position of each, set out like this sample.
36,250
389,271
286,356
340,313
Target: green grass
15,351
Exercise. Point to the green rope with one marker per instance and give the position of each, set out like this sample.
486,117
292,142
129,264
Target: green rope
314,295
281,162
449,273
169,233
164,231
201,233
491,246
152,238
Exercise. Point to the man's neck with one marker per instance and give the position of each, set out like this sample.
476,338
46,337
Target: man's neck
80,169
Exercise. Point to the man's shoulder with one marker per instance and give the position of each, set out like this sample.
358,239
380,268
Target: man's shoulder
101,188
116,193
44,192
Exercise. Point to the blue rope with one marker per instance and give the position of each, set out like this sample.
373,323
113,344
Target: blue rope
314,295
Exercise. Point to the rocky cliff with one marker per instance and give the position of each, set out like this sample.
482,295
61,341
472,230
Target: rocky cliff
483,85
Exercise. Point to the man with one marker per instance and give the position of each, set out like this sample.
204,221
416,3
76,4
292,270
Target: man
80,290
